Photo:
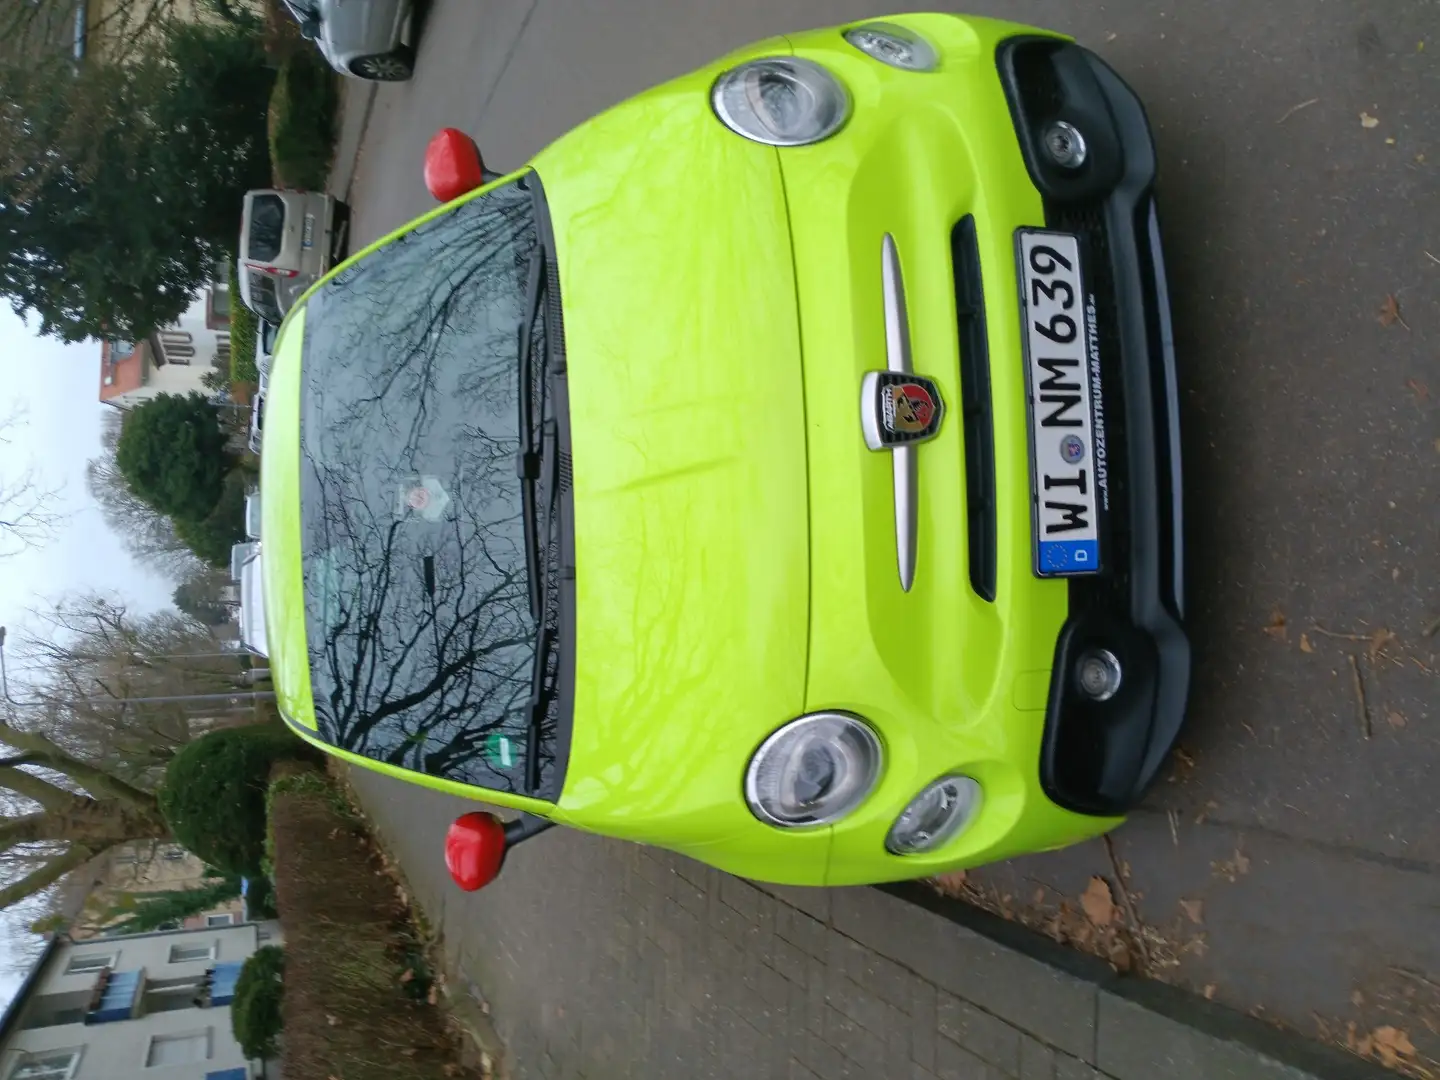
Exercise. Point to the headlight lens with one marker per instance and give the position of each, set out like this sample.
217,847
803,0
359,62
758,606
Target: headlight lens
780,101
940,811
813,771
894,45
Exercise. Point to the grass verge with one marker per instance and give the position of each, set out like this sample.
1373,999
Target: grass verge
359,1001
303,106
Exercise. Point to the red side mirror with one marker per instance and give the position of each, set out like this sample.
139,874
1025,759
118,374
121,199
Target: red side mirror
474,849
452,165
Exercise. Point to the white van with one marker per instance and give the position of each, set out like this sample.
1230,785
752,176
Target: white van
241,556
252,609
288,239
252,515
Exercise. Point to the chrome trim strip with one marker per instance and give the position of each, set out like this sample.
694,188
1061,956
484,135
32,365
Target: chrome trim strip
897,358
907,500
897,323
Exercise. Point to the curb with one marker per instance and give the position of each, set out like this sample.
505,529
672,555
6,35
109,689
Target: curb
1188,1036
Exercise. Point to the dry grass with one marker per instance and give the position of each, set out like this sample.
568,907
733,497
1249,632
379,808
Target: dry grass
358,1005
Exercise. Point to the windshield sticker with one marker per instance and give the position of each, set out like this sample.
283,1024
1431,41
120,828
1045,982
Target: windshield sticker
423,496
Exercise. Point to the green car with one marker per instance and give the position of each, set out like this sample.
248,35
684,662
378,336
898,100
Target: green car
782,468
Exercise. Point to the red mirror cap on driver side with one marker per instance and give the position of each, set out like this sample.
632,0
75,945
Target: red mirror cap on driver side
452,165
474,849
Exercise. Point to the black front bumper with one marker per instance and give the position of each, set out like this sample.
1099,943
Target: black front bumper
1100,757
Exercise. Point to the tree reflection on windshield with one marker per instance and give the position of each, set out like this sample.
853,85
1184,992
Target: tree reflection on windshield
417,611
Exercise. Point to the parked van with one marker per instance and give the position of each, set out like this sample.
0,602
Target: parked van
252,609
252,515
288,239
241,555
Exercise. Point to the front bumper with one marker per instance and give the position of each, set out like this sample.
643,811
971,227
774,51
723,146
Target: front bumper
1100,757
971,671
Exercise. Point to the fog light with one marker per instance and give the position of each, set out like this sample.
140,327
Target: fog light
1098,674
1065,144
938,813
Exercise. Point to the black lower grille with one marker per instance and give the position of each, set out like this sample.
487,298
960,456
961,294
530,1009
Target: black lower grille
1041,95
976,408
1087,222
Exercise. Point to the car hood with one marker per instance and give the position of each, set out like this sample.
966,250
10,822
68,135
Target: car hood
688,441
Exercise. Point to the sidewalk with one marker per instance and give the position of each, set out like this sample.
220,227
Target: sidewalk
605,960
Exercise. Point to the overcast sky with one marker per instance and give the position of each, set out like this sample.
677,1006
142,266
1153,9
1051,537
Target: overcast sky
58,387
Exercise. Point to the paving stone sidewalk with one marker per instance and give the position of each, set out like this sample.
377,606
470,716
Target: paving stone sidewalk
602,960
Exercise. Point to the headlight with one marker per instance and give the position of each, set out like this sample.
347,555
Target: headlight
813,771
780,101
934,816
894,45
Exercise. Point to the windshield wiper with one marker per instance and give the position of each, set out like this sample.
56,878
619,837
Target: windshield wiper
527,459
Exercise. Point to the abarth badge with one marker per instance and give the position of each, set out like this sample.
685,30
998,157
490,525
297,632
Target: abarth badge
897,409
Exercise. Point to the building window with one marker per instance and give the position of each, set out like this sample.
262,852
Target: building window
227,919
178,1049
46,1065
170,995
88,963
189,954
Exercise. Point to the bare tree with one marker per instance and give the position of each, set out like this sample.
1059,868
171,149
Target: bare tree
27,507
81,763
40,30
148,535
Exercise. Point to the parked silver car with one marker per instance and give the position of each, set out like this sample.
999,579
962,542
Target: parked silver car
364,39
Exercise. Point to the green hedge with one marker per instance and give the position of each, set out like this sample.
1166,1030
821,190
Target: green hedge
213,797
302,120
255,1009
244,326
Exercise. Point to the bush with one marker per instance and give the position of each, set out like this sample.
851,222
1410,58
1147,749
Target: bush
172,454
255,1009
213,797
302,121
212,537
244,326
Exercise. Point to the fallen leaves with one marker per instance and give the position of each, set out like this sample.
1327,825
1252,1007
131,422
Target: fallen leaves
1388,1043
1234,868
1390,312
1209,991
1276,627
1305,645
1367,121
1194,910
1394,719
1378,640
1098,903
1418,388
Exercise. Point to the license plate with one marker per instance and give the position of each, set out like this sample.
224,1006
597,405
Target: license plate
307,233
1067,435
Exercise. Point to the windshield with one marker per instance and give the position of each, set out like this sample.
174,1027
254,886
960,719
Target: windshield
421,637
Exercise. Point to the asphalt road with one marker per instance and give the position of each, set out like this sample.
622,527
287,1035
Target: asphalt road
1300,194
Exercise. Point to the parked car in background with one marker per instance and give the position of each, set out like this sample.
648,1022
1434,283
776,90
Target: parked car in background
288,239
257,419
264,346
252,608
252,515
360,38
241,554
